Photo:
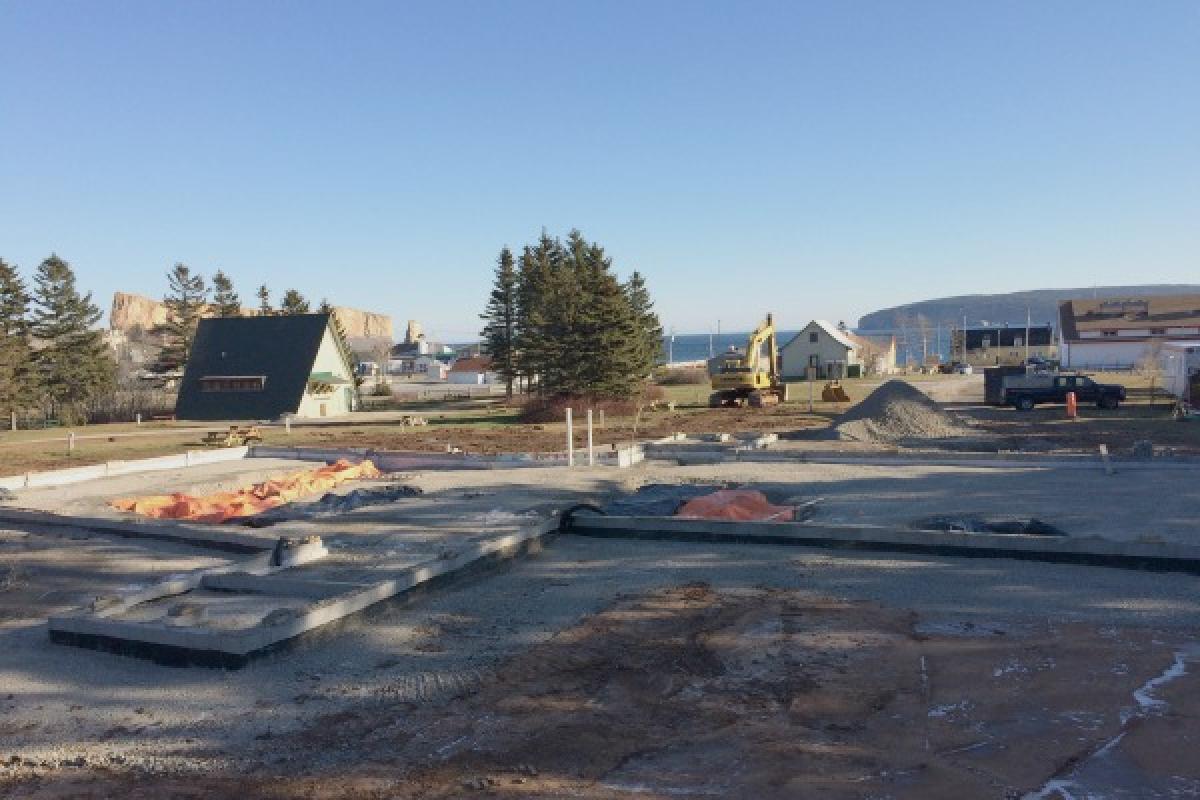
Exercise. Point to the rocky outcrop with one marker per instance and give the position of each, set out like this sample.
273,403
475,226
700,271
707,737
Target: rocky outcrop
365,324
133,312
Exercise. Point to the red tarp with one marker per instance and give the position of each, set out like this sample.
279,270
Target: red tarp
220,506
736,504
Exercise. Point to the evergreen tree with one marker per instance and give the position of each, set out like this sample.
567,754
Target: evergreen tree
74,365
264,301
17,378
649,330
226,302
499,332
186,300
578,330
293,303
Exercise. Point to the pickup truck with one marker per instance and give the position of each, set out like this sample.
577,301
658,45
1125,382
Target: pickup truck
1023,392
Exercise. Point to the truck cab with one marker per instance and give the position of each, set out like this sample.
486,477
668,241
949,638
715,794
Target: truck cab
1023,392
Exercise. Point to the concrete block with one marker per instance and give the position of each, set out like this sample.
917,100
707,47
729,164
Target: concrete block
177,461
273,584
216,537
13,482
62,477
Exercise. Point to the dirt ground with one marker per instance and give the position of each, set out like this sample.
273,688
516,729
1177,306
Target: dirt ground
488,427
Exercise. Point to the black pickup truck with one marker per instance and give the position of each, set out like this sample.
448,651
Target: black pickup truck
1023,392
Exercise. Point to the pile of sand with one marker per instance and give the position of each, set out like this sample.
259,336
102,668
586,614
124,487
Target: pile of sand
897,410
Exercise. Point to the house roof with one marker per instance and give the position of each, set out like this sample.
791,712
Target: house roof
283,349
1116,313
472,364
830,329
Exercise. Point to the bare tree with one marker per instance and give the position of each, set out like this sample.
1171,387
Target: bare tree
1150,366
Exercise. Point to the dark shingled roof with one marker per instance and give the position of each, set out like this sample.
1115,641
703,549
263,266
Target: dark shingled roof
281,348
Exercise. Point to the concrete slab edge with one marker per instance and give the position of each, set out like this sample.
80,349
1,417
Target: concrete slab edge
1099,552
698,456
207,536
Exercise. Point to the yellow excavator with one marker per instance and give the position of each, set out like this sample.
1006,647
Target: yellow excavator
749,378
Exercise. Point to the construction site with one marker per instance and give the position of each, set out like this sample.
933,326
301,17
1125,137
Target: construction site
905,602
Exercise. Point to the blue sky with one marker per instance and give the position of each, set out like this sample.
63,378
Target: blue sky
815,159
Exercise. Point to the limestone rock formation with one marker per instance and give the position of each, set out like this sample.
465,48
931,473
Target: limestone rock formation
131,312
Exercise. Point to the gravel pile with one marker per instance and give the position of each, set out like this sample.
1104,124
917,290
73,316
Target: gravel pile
897,410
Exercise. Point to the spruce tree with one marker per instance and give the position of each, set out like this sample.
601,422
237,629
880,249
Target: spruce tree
74,365
18,388
500,317
649,330
185,300
293,303
264,301
226,302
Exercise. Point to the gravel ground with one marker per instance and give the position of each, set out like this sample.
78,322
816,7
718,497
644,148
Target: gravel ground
66,712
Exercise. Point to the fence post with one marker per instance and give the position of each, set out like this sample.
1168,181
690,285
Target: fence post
602,419
138,418
570,441
70,442
591,454
13,419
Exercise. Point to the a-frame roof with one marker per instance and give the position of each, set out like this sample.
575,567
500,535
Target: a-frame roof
281,349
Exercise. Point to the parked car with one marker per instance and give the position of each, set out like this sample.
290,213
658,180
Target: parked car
964,369
1023,392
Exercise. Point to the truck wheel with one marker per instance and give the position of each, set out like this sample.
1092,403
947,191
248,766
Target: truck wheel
1023,403
1109,402
756,400
716,400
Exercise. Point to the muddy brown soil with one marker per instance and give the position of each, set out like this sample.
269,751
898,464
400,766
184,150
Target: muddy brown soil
762,693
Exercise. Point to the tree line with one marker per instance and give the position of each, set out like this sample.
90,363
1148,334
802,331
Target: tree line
560,322
187,300
53,358
51,355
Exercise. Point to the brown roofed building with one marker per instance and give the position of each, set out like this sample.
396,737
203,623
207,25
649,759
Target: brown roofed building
1121,331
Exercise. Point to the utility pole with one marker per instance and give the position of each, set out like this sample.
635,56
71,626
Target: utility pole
1026,335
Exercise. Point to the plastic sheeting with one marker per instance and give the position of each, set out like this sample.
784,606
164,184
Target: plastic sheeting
736,504
222,506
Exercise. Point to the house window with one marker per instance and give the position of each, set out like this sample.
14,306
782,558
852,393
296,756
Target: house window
812,337
1108,333
233,383
1158,331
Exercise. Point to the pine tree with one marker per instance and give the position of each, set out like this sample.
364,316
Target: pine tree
648,328
499,332
186,300
74,365
264,301
226,302
293,303
17,378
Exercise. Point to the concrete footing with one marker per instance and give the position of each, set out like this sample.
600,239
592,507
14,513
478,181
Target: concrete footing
1059,549
313,603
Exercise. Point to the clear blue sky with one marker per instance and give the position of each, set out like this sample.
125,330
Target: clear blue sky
817,159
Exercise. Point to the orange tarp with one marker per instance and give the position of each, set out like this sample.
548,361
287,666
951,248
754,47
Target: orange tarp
736,504
220,506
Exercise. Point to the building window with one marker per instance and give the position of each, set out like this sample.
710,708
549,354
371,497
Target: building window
1018,341
1158,331
1108,333
233,383
986,343
812,337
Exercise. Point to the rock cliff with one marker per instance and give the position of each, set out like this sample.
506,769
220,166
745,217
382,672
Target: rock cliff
131,312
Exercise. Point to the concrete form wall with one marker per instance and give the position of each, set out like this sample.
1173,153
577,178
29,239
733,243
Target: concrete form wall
62,477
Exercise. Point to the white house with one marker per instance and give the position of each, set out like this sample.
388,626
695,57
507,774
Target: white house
1122,332
835,353
476,370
